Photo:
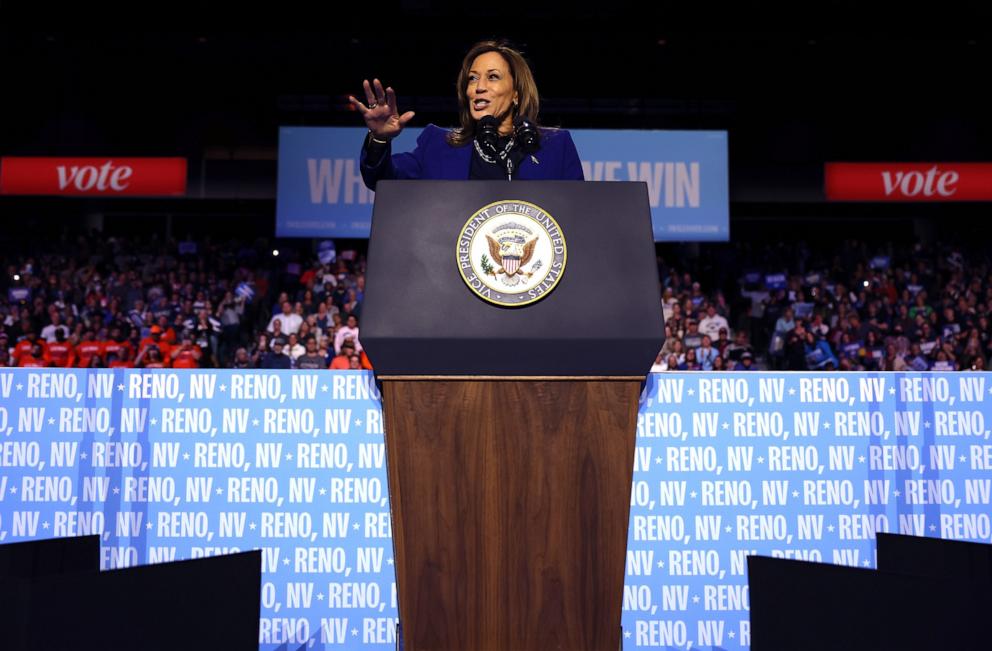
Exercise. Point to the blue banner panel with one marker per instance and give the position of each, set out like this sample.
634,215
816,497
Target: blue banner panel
167,465
320,191
685,171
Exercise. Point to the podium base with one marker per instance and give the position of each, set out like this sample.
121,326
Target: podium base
510,500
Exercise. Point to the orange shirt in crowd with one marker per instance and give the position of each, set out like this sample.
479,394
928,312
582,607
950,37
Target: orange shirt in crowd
31,362
121,364
62,353
366,364
340,363
27,361
188,358
122,349
162,344
87,350
23,349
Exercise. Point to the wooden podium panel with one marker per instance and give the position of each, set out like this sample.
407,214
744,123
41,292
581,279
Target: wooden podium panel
510,503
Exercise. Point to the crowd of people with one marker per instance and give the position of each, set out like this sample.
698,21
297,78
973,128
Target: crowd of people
90,301
846,308
93,302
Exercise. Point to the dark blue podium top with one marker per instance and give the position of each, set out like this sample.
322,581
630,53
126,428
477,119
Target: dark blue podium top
420,316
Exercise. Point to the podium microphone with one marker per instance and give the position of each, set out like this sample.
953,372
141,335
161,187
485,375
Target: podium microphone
526,134
488,133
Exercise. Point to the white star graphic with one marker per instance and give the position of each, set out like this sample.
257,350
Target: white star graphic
692,494
761,459
251,525
962,458
323,387
830,528
285,561
861,458
358,421
154,421
826,426
865,562
389,561
223,388
120,387
355,526
897,493
626,634
83,455
220,491
892,391
933,527
354,631
731,634
792,392
254,421
661,563
323,491
728,528
320,596
691,392
288,456
19,386
117,490
148,526
51,421
926,424
185,456
45,525
658,460
725,425
695,599
795,493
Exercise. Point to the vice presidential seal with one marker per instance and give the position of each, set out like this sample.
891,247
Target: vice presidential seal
511,253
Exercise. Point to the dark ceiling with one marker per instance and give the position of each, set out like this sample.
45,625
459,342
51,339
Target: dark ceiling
798,96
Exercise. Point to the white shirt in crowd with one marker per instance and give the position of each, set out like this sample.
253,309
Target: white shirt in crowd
294,351
710,326
48,332
344,333
290,323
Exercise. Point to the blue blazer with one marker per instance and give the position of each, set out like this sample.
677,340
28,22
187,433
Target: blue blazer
434,158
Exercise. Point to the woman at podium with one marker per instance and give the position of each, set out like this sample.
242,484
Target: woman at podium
498,136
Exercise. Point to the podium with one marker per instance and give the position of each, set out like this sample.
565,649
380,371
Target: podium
510,430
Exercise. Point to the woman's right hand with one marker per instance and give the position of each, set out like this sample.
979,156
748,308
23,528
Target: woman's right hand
381,115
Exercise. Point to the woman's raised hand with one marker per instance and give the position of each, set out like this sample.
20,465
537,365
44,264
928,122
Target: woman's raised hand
381,115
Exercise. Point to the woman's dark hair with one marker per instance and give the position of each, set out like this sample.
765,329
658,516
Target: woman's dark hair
523,83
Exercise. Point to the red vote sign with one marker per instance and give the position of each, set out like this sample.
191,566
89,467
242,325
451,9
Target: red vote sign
109,176
908,181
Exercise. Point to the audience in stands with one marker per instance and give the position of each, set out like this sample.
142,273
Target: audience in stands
113,302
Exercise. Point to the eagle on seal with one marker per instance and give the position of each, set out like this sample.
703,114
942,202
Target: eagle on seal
511,255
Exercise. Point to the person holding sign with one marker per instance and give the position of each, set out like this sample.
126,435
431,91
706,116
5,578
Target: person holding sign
498,136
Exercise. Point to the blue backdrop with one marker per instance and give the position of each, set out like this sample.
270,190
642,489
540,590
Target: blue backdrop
174,464
320,191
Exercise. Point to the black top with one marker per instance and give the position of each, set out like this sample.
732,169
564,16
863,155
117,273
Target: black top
480,169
